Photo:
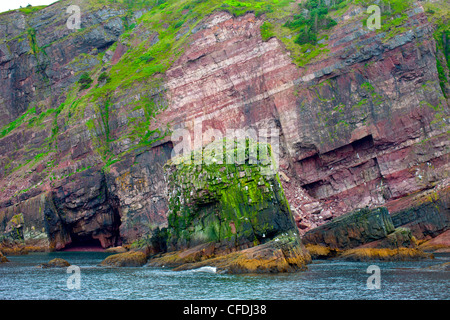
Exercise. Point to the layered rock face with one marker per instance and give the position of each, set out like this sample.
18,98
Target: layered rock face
353,229
364,123
359,127
428,216
363,228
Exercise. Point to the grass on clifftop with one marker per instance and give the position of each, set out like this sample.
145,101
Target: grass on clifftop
439,14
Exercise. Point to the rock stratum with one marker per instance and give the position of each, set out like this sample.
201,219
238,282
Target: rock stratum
88,115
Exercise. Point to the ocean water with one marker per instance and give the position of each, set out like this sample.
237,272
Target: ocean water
324,280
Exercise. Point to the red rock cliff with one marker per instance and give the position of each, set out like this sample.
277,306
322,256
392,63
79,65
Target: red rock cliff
365,123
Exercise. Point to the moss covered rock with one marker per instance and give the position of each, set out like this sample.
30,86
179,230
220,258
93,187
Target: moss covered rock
440,267
127,259
233,197
230,212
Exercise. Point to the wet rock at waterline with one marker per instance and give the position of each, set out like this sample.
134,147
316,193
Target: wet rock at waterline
127,259
364,235
55,263
352,230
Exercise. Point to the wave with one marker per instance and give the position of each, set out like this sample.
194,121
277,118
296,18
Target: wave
206,269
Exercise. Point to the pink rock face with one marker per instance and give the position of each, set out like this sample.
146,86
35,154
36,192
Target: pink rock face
229,78
442,240
364,124
356,135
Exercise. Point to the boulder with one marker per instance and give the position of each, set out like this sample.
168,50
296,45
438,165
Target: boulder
127,259
440,267
118,249
400,238
232,204
441,243
14,228
55,263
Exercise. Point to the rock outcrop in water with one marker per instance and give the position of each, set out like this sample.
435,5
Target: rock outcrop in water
86,115
126,259
230,212
362,236
352,230
55,263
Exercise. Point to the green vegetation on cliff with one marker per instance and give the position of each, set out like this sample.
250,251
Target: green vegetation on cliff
221,201
439,14
154,34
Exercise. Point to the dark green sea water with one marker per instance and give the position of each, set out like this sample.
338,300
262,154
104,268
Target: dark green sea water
324,280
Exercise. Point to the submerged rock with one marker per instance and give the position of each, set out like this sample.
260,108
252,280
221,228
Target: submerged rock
363,235
55,263
127,259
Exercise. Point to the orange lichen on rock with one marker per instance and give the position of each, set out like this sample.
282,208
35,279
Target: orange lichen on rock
283,254
440,243
127,259
400,254
321,252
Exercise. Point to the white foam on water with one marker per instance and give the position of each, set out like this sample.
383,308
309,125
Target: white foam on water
206,269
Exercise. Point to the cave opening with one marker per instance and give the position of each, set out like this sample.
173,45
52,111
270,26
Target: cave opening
83,243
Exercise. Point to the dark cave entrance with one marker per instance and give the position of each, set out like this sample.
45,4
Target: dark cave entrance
83,243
